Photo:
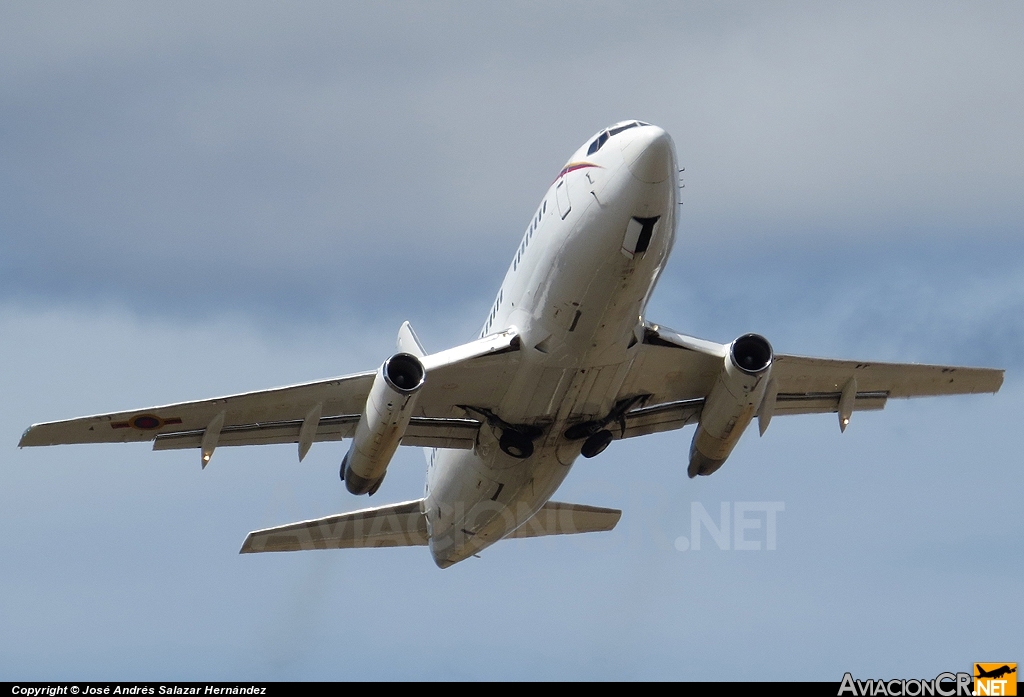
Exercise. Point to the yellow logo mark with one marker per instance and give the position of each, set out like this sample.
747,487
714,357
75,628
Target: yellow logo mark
995,679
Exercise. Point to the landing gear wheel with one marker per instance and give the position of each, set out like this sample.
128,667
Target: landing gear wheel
515,444
596,444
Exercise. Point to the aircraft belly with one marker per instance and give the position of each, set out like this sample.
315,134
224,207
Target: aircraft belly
477,497
480,505
550,388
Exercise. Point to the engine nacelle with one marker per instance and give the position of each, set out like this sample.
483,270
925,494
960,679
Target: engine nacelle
731,404
383,422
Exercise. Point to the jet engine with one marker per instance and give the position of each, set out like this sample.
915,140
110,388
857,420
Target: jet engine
731,404
383,422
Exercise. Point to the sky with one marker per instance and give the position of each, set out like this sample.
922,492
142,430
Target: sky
206,198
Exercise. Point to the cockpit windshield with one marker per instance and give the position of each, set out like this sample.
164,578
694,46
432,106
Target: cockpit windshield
620,129
615,130
598,142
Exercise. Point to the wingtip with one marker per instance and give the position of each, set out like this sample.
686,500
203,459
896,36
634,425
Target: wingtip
24,436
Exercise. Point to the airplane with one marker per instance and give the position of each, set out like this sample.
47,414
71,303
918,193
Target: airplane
565,363
995,673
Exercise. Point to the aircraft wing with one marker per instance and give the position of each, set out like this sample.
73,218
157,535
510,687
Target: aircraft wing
672,367
678,371
344,395
814,385
474,373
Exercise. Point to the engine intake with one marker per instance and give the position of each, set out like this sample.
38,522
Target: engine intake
731,404
751,353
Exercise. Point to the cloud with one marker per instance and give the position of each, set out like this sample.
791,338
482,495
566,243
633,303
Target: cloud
254,157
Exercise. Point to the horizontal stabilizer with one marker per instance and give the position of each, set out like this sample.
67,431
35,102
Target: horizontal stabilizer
556,518
394,525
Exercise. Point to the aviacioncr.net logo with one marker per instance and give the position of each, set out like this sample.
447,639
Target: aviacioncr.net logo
943,685
995,679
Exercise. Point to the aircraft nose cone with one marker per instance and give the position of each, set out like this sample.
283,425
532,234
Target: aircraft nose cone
649,155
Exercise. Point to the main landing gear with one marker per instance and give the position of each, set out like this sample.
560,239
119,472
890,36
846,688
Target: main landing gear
596,444
597,436
516,439
515,444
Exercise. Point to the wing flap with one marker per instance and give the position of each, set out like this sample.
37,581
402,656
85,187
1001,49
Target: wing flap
826,402
555,518
394,525
674,415
660,417
330,428
422,432
425,432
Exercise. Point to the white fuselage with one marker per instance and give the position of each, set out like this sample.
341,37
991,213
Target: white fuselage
576,293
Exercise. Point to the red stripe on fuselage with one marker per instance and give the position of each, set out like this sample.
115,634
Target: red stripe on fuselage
572,167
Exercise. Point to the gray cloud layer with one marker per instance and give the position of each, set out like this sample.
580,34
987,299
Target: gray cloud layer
183,157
